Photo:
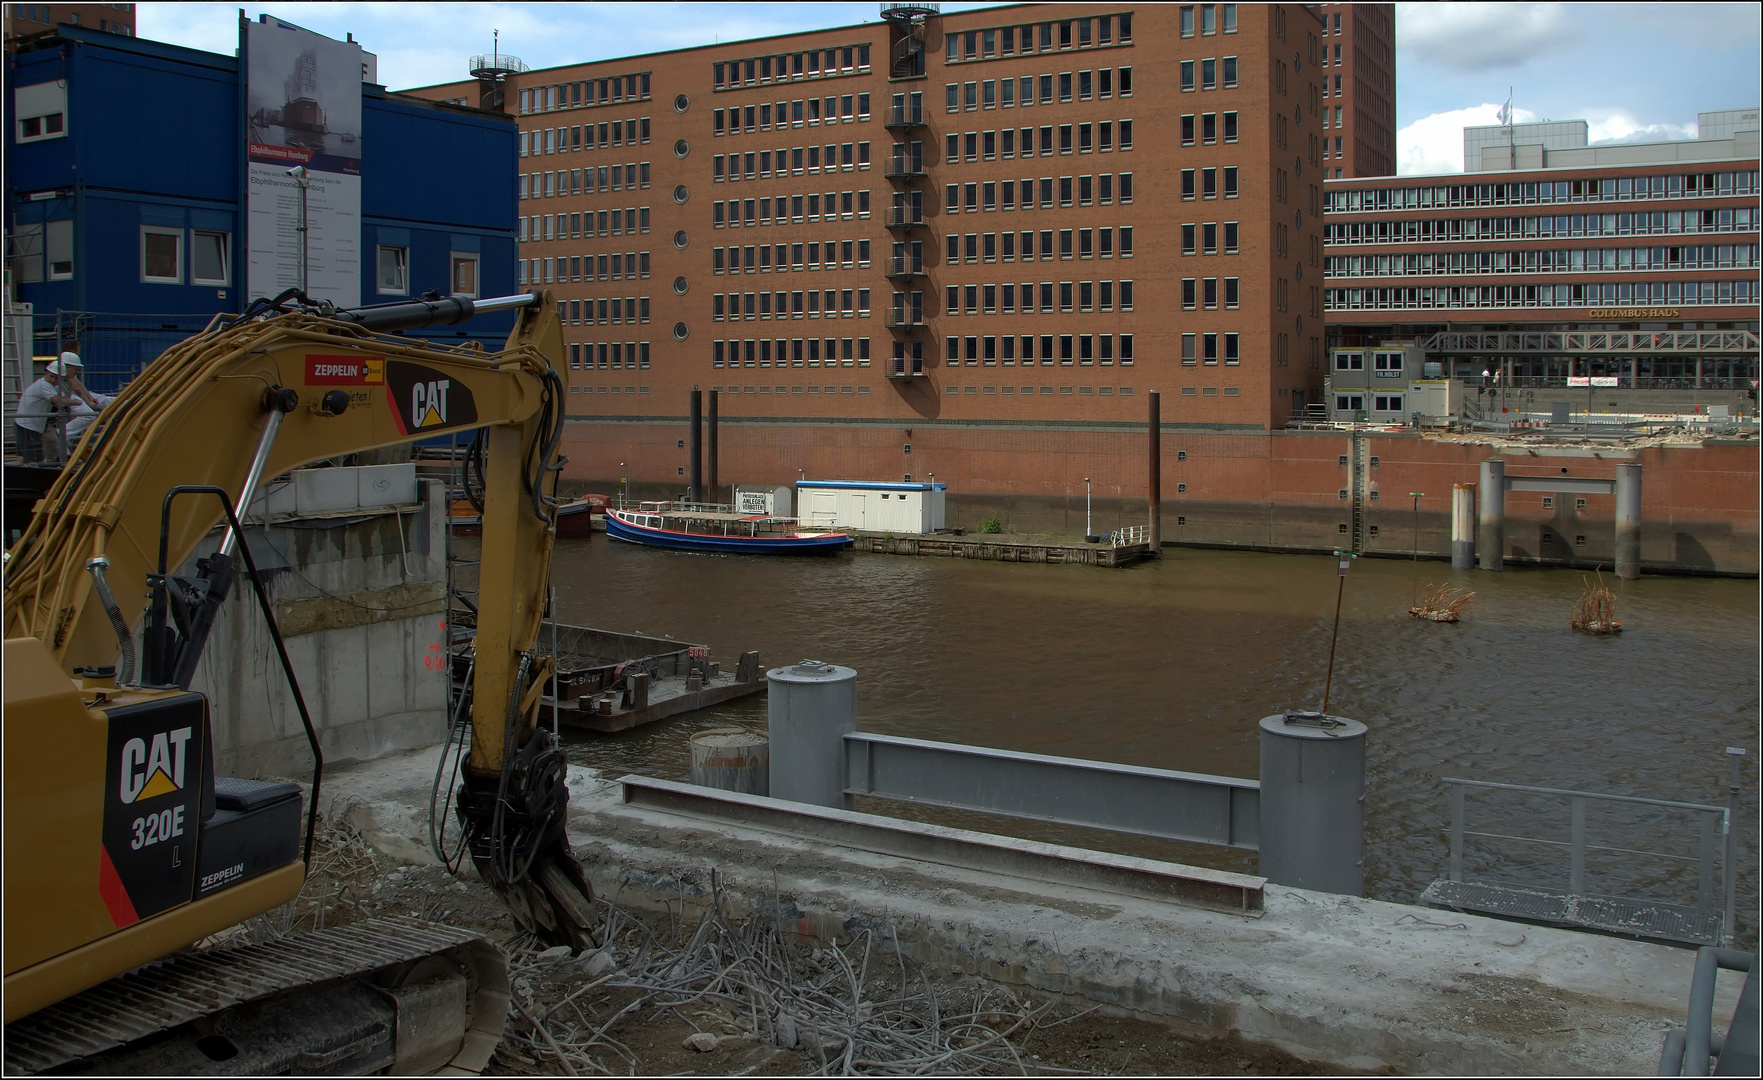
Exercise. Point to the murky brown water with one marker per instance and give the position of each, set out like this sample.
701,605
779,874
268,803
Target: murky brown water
1171,663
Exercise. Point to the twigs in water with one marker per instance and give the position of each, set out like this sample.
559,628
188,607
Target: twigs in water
1595,611
1442,603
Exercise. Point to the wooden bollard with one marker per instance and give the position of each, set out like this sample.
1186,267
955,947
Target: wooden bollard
732,760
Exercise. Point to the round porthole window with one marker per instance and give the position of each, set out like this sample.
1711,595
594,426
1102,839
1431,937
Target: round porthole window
681,331
680,239
681,103
681,148
680,285
680,194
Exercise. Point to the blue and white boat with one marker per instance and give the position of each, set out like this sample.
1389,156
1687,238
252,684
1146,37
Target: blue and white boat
707,527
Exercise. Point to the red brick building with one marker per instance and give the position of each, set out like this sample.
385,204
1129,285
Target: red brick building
1014,218
1359,89
23,20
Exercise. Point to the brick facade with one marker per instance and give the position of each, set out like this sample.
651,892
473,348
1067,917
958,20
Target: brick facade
1109,116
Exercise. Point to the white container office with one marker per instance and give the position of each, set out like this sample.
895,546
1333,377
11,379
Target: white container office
881,506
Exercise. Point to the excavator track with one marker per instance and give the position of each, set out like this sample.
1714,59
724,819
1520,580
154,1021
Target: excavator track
194,986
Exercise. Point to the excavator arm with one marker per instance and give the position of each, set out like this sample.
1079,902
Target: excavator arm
242,402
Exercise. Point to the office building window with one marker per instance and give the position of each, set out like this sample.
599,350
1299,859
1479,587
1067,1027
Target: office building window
465,273
393,278
210,258
162,255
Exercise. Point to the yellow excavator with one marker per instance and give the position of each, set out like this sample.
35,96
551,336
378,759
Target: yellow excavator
123,849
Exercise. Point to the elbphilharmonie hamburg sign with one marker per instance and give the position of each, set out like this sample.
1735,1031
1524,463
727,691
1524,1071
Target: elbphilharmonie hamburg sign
303,162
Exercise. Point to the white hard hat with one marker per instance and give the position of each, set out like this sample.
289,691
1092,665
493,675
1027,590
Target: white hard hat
54,367
72,358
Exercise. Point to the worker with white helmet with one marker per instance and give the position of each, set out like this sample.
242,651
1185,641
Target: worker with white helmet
42,403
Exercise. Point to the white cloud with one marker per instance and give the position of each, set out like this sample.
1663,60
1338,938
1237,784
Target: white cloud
1434,144
1619,126
1482,37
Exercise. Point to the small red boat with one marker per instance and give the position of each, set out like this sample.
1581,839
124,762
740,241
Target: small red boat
574,518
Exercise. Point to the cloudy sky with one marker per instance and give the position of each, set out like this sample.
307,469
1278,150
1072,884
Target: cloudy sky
1634,71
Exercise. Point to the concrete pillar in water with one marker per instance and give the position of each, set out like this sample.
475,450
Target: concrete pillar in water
696,472
714,488
1462,526
812,706
1312,827
1154,484
1490,539
1628,521
732,760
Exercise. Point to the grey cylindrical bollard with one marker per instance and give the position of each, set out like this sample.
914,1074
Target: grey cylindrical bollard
732,760
812,706
1312,827
1490,540
1628,521
1463,526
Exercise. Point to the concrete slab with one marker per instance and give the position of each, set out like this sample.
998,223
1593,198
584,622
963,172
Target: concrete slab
1359,983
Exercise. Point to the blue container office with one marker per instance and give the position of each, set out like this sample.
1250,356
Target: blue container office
113,138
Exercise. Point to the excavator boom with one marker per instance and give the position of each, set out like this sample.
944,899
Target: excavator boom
110,799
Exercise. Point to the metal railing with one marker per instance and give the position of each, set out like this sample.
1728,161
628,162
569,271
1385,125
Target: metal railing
1714,821
1624,381
1195,807
903,267
1129,535
904,218
1583,342
905,116
904,168
1690,1051
902,318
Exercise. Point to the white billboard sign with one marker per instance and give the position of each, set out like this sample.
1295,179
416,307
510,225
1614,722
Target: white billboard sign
303,160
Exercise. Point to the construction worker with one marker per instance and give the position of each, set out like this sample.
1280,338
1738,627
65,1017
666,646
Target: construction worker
37,426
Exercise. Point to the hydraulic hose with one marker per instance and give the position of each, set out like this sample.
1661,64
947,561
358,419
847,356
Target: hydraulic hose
125,670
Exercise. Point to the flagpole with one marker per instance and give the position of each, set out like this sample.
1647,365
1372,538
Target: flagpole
1511,134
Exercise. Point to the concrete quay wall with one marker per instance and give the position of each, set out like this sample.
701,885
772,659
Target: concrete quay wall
1353,982
1278,491
359,601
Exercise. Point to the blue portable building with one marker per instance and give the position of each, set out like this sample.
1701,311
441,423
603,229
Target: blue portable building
113,139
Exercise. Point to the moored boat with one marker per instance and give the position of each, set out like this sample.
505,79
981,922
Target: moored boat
710,527
574,518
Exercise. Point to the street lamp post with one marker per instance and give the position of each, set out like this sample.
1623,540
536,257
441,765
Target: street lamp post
1088,530
1417,495
303,181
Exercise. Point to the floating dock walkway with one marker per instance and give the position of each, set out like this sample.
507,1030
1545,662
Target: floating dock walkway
997,548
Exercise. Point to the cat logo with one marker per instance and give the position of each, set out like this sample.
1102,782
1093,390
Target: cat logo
424,399
428,404
151,771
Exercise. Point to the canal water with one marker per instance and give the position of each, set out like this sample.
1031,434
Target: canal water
1171,663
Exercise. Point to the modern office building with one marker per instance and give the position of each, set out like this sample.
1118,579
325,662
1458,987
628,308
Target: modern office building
28,20
1359,91
1635,263
1019,218
132,234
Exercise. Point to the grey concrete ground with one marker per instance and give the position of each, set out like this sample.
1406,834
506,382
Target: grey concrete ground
1358,983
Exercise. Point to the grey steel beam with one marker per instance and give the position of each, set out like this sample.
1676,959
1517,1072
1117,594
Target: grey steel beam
1578,485
1038,863
1163,803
